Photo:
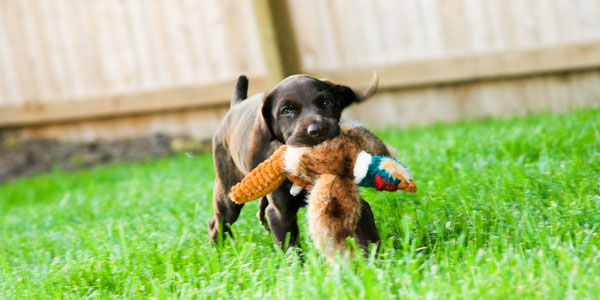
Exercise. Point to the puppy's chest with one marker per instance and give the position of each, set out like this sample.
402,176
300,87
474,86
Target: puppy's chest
261,151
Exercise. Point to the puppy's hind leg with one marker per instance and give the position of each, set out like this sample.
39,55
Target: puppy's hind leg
226,212
262,206
366,231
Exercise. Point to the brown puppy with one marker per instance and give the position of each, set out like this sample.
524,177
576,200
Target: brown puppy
299,111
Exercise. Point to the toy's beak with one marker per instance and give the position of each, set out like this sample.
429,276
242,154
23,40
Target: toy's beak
408,186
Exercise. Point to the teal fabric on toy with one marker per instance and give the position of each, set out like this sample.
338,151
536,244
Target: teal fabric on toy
374,169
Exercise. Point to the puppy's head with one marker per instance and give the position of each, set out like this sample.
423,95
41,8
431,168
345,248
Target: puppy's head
305,111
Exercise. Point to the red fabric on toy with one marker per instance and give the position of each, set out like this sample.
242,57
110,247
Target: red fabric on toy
382,185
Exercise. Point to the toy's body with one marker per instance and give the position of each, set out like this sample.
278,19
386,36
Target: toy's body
332,172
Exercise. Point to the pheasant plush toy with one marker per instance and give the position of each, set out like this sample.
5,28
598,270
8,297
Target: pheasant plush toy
331,172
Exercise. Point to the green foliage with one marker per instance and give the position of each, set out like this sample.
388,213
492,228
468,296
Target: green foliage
506,209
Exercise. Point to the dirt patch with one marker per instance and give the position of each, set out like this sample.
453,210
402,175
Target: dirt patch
41,155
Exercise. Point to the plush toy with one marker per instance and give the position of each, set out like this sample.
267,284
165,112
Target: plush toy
331,172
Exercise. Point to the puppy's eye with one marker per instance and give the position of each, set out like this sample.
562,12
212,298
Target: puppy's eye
327,103
286,111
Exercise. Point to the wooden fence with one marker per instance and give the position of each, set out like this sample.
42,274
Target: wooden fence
77,69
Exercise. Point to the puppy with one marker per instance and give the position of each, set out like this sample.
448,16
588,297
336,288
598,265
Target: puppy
299,111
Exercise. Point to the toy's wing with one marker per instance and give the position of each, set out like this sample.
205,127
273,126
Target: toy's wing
265,178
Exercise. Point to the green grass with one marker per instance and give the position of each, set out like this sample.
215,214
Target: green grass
506,209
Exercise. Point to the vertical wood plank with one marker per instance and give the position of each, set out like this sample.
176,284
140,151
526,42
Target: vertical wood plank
198,42
249,32
567,16
478,29
91,48
307,33
55,75
526,27
494,13
508,27
278,39
110,49
70,32
215,33
33,44
100,17
328,48
9,82
433,29
128,78
545,16
589,20
415,42
174,37
392,30
157,31
142,52
371,30
347,34
16,44
235,43
454,27
62,43
148,48
87,63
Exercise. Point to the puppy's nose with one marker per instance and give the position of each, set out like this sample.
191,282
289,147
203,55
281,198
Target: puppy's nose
317,130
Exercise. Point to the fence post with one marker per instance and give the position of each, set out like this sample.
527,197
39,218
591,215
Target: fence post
278,40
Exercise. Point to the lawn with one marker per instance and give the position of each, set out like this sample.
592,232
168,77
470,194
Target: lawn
506,209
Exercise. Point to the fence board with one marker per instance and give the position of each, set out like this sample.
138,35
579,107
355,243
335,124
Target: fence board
67,50
36,68
277,38
478,27
428,29
70,60
454,26
432,72
122,104
9,88
544,15
475,67
391,28
505,97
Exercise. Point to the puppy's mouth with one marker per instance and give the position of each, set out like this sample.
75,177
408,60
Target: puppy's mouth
308,136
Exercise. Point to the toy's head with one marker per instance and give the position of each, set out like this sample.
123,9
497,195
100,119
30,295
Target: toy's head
383,173
390,179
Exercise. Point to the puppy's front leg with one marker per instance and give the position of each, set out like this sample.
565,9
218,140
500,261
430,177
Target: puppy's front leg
281,213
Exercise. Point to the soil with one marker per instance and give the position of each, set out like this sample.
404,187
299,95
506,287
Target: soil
42,155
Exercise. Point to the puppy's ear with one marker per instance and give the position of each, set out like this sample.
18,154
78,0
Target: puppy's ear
345,95
368,91
349,96
267,116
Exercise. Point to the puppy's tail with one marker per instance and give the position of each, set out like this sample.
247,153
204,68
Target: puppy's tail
240,91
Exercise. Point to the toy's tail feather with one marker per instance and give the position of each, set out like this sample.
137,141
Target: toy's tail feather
318,200
265,178
334,206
